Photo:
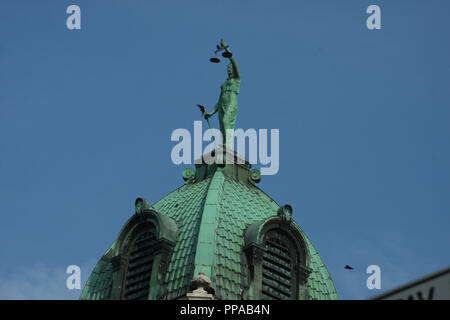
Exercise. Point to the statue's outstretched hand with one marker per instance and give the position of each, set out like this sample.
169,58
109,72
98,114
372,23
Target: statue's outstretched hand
207,115
224,45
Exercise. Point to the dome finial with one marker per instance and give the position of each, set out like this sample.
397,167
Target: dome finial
200,283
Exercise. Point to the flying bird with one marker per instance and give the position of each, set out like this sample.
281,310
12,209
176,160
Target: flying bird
348,267
202,109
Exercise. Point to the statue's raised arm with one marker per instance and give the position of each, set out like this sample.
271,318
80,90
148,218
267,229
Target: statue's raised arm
234,65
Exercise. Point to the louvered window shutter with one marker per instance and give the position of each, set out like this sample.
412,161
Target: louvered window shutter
277,271
137,283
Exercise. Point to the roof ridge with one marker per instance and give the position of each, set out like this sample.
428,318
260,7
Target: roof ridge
207,236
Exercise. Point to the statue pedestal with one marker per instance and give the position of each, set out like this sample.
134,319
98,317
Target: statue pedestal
222,155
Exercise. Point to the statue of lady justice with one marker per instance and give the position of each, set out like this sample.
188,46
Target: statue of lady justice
227,106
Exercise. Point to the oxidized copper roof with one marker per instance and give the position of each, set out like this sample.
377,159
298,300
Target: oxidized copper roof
233,205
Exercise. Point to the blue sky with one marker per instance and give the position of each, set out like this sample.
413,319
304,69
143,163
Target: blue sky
86,117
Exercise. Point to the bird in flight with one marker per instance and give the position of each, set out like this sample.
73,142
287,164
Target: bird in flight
348,267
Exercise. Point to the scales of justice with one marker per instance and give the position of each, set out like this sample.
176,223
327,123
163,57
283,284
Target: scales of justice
227,105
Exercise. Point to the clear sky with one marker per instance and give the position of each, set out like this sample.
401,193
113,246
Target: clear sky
86,117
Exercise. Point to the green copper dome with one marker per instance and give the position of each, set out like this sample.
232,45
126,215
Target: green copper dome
212,212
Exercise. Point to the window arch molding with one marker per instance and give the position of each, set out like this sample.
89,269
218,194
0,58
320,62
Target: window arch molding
164,230
260,237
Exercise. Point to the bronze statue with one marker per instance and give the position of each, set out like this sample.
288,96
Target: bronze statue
227,106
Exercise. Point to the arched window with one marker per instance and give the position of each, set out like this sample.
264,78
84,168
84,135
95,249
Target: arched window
142,253
277,259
